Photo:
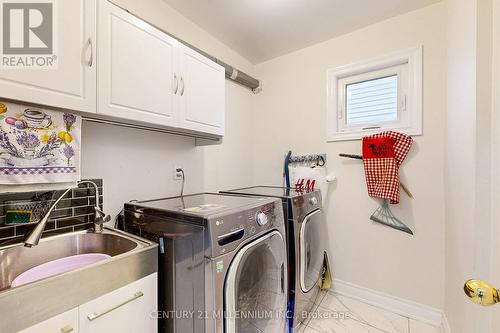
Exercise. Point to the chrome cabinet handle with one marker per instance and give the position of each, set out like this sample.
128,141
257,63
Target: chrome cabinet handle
67,329
91,58
176,84
182,86
94,316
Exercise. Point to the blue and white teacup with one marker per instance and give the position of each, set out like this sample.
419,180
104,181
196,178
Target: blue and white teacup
36,118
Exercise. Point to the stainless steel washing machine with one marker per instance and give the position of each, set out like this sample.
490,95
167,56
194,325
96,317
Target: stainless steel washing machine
306,239
222,261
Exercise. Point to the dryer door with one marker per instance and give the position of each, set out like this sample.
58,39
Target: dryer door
312,248
255,288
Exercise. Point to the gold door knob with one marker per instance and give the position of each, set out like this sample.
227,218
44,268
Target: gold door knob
481,292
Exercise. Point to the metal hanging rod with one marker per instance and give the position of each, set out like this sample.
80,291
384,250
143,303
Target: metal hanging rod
232,73
151,129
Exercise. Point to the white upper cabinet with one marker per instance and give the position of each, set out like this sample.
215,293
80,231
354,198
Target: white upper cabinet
147,76
110,62
136,79
202,93
71,81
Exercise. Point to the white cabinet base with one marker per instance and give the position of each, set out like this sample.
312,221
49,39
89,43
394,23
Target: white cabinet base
66,322
130,309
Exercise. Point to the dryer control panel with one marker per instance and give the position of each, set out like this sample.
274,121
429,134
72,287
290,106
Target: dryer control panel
228,232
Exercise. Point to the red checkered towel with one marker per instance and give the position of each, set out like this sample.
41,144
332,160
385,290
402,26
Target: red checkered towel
383,153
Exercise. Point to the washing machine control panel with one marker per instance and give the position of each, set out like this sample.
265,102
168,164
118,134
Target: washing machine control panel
261,218
229,231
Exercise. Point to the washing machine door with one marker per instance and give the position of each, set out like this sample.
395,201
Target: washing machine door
312,248
255,288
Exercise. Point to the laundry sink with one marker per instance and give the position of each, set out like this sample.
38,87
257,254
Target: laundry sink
20,265
65,271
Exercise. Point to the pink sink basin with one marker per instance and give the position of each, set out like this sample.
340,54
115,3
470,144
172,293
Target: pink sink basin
56,267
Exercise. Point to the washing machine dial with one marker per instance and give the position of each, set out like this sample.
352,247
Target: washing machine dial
313,201
262,219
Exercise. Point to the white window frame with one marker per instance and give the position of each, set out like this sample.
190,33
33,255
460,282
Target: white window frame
400,71
407,64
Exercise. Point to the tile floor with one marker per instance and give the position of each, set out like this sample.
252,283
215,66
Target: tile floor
339,314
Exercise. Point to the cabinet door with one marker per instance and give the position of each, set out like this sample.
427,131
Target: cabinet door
66,322
71,83
130,309
201,93
136,68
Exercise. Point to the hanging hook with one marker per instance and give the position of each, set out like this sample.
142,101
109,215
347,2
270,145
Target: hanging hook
321,161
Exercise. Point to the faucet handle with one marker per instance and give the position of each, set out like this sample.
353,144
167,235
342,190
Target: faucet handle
101,216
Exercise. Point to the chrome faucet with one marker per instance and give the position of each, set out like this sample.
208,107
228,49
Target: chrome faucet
99,219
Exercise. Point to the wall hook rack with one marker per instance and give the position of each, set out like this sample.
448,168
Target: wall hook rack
320,159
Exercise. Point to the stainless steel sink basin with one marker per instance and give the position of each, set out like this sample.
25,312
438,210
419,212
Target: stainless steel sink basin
17,259
130,259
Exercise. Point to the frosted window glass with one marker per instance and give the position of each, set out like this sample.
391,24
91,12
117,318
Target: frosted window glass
373,101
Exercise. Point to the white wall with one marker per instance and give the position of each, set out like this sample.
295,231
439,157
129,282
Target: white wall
290,114
469,162
230,165
460,193
495,257
138,164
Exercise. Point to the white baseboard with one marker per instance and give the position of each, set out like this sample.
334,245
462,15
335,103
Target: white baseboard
410,309
445,327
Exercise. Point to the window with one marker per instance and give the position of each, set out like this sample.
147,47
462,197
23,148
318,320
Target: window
372,101
381,94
